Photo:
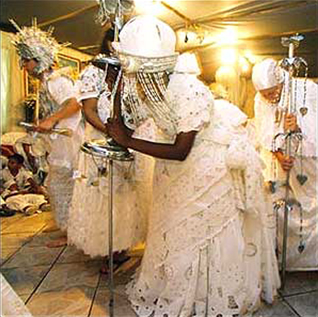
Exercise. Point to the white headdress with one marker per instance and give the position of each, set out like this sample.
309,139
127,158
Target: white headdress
147,48
33,43
267,74
147,45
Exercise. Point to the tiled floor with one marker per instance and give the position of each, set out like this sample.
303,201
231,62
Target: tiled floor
65,282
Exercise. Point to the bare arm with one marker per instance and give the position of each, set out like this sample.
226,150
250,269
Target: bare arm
178,150
90,112
34,186
69,108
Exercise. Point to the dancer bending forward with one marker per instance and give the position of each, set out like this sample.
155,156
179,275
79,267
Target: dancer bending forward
207,252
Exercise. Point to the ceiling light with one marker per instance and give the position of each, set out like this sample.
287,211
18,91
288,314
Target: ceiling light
152,7
228,56
228,37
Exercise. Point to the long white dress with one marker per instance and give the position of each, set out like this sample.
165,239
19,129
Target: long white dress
302,223
56,88
88,222
203,257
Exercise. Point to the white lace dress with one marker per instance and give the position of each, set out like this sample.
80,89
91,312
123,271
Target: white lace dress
56,88
88,221
303,222
197,261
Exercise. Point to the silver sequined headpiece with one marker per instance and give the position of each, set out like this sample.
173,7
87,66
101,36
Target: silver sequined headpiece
33,43
114,11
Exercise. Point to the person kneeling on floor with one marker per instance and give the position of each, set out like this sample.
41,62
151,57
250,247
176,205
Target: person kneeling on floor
18,189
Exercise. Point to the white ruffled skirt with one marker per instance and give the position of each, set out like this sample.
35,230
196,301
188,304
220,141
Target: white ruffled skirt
209,250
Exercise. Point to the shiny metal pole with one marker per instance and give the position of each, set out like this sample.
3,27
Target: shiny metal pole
102,148
288,152
287,209
110,239
290,64
291,105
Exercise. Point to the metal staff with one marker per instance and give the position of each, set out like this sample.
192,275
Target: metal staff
291,64
113,11
62,131
110,238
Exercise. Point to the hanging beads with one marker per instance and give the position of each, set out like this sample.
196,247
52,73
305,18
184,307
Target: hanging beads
158,103
302,245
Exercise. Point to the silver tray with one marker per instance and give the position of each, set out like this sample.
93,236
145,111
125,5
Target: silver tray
108,149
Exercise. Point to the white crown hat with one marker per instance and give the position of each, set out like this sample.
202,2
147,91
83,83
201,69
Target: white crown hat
267,74
147,44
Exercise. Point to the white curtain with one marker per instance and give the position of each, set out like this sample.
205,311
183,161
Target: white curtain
12,86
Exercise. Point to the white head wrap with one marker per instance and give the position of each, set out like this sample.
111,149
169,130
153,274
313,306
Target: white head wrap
147,48
267,74
147,36
146,44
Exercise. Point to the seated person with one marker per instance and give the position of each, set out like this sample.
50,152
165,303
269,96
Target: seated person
34,151
19,190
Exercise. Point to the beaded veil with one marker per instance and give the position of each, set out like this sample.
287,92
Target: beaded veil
147,54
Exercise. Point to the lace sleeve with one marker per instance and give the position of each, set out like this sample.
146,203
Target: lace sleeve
62,88
192,100
91,82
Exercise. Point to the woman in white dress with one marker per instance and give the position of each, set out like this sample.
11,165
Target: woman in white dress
271,83
197,261
58,108
88,223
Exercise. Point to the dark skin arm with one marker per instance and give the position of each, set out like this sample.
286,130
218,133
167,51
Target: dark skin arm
179,150
35,188
91,115
90,112
14,189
